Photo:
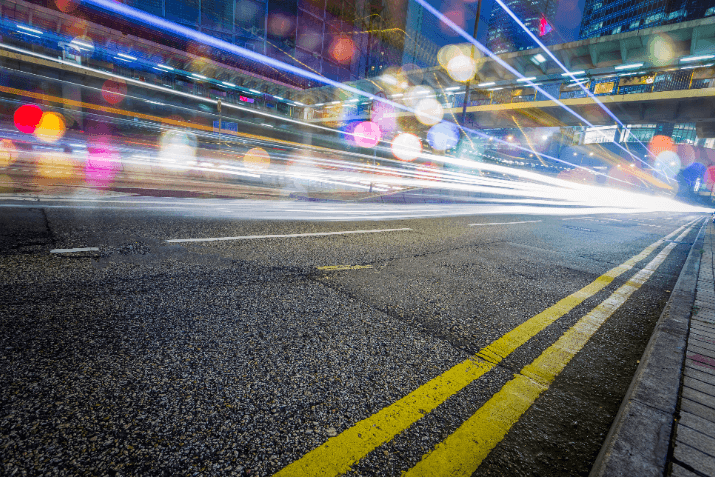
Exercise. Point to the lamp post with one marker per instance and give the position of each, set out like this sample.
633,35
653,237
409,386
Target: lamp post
218,107
466,89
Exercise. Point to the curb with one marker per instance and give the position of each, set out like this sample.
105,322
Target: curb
637,443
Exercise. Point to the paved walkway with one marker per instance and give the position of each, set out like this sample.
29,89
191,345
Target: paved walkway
694,437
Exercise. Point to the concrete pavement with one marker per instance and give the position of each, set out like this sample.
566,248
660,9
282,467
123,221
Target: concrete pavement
666,424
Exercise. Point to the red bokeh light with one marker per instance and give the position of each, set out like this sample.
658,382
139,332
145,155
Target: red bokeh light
280,25
114,91
457,16
660,144
342,49
27,117
710,175
66,6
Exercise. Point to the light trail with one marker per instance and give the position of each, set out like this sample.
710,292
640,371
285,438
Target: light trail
570,74
505,65
168,26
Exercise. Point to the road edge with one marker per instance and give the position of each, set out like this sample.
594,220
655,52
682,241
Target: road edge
638,441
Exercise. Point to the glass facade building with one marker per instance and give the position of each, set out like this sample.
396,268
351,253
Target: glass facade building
314,34
506,35
608,17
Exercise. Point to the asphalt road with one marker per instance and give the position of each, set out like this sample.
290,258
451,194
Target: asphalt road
248,356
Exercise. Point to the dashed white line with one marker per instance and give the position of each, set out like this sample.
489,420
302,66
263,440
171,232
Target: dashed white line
501,223
272,236
76,249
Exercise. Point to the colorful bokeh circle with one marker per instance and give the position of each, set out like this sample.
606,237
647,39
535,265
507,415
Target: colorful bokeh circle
367,134
51,127
257,159
27,117
406,146
443,136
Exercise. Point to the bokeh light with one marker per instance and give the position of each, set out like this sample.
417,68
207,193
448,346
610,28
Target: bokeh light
51,127
429,111
457,17
54,165
280,25
27,117
662,50
367,134
384,115
443,136
342,49
82,45
66,6
710,176
178,147
661,143
461,68
406,146
668,163
694,172
412,72
102,163
78,26
114,91
256,159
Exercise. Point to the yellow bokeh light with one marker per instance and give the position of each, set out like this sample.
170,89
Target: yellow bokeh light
50,128
429,111
55,165
256,158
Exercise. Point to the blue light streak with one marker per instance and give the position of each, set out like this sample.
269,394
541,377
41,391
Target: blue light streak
181,31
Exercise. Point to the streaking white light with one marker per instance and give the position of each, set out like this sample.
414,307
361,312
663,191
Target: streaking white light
28,29
629,66
696,58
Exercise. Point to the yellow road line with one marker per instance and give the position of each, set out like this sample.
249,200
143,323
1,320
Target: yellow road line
338,454
342,268
464,450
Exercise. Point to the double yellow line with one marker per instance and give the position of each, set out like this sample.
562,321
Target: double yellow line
463,451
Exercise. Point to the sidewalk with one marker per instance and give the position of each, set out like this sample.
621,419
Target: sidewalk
694,436
666,424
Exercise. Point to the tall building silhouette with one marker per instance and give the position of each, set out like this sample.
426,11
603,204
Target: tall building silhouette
506,35
608,17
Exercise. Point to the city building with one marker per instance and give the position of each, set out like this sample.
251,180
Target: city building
505,35
344,40
608,17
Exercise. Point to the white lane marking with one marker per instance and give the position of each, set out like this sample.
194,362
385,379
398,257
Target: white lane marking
500,223
76,249
308,234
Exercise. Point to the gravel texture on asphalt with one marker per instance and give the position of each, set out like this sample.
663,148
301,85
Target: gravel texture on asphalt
236,358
